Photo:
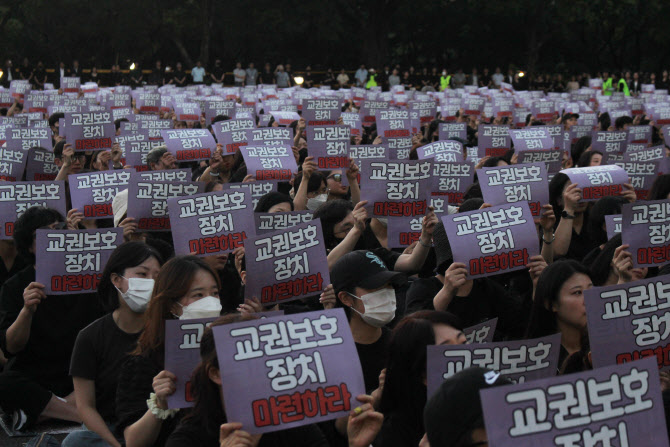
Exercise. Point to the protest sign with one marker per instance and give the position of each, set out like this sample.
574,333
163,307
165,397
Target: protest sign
482,332
614,406
630,321
472,105
215,107
643,153
71,261
136,148
493,140
449,150
646,228
639,134
552,158
520,361
70,84
189,144
285,118
424,111
516,183
403,231
148,102
270,136
286,265
613,225
231,133
493,240
187,112
17,197
211,222
450,181
447,131
153,126
28,137
369,109
271,222
531,138
354,121
258,188
368,152
269,162
303,369
92,193
12,164
88,131
329,145
321,111
609,141
147,200
642,174
41,165
396,189
598,181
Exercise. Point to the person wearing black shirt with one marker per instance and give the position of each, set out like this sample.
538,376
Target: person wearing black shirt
157,76
218,73
267,76
103,346
179,77
39,76
26,70
37,333
308,78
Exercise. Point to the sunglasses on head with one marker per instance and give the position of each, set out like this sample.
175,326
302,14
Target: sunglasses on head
336,177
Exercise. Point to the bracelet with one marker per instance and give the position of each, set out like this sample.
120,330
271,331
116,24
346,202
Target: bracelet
425,245
159,413
553,238
213,174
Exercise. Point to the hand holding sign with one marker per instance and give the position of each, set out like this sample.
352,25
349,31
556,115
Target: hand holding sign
164,386
360,215
32,296
232,435
571,197
364,423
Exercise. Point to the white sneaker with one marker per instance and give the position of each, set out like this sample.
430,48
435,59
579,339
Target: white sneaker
19,420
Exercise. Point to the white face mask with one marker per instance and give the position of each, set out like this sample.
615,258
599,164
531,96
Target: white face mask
379,307
207,307
444,73
315,202
139,293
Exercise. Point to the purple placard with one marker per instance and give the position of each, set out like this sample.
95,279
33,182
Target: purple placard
117,101
642,174
321,111
395,123
396,188
598,181
147,200
482,332
285,118
450,181
269,162
168,175
187,112
493,240
231,133
92,193
19,88
286,265
552,159
258,188
153,126
447,131
472,105
639,134
613,225
449,150
211,223
629,321
399,147
70,84
368,152
41,165
369,109
6,99
531,138
214,108
148,102
330,146
544,110
136,148
271,222
354,121
403,231
609,141
516,183
189,144
270,136
424,111
614,406
520,361
12,164
89,131
17,197
71,261
37,102
182,355
493,140
645,229
258,360
27,137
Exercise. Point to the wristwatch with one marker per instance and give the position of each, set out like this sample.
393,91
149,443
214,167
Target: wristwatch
565,215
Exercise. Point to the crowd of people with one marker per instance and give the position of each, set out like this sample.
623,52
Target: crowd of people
98,358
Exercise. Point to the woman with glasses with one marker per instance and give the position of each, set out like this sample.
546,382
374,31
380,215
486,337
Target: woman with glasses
37,333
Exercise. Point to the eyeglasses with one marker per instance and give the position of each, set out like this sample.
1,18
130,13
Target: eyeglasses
336,177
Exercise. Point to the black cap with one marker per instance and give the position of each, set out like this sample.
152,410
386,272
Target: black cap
567,116
362,268
456,408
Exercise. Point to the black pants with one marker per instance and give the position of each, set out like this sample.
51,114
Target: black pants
20,392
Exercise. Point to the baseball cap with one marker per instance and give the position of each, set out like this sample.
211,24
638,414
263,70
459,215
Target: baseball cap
455,408
567,116
363,268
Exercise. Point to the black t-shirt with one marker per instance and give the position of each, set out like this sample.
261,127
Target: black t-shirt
54,328
99,353
373,359
18,265
267,77
421,293
191,434
218,73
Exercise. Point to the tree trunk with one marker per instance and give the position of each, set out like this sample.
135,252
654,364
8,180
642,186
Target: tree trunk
183,51
206,22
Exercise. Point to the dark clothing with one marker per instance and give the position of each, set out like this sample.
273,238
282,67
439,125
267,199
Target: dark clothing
18,265
191,434
18,392
421,293
267,77
373,359
26,72
398,431
179,78
580,244
218,73
99,353
157,77
135,386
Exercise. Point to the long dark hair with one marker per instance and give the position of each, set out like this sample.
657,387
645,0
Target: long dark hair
127,255
331,213
542,318
404,387
605,206
660,188
208,413
602,264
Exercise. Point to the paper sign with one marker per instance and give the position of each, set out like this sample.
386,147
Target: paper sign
450,181
153,126
493,240
187,112
643,153
369,109
271,222
70,84
639,134
531,138
270,136
12,164
520,361
609,141
168,175
424,111
447,131
354,121
396,189
231,133
643,174
71,261
28,137
614,406
136,148
17,197
41,165
288,371
286,265
148,102
321,112
482,332
645,227
368,152
92,193
613,225
449,150
403,231
285,118
211,223
329,145
189,144
258,189
269,162
598,181
516,183
90,131
493,140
